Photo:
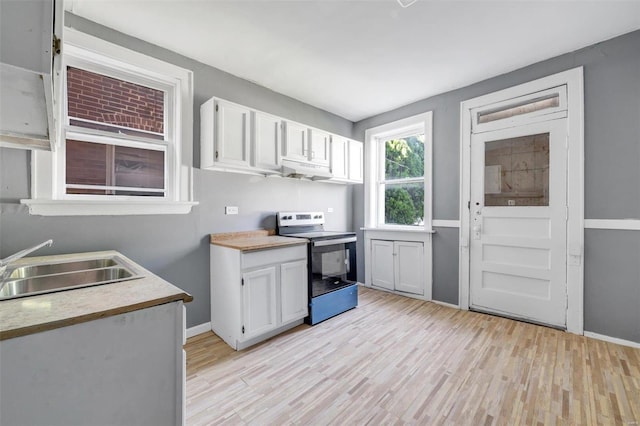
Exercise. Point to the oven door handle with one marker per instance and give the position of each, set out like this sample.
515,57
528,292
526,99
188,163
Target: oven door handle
334,241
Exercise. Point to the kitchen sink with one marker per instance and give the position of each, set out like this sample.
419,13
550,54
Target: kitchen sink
39,278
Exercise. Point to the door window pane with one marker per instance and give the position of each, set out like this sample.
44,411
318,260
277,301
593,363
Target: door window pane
404,203
517,171
404,157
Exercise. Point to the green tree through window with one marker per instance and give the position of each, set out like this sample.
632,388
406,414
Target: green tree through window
404,180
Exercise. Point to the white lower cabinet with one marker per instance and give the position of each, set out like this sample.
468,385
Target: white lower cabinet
293,296
398,266
259,301
126,369
256,295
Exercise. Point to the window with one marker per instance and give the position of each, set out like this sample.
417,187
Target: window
401,184
123,147
398,186
124,134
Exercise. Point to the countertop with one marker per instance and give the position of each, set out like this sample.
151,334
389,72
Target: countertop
33,314
254,240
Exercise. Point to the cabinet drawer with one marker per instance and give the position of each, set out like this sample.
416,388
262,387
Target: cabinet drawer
275,255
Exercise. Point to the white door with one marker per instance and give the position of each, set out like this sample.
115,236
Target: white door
266,141
518,222
232,133
295,141
409,270
320,143
258,301
293,291
382,264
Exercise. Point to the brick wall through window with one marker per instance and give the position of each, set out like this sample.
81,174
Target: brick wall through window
102,99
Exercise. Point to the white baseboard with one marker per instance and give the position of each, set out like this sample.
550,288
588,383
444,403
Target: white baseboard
612,339
198,329
448,305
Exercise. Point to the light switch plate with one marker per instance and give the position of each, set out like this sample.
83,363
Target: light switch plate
329,209
231,210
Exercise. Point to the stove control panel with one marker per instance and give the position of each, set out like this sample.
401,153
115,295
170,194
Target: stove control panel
300,218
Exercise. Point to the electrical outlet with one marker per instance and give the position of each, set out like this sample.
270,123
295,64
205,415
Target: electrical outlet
231,210
329,209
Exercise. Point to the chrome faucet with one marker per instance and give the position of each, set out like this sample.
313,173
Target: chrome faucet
4,263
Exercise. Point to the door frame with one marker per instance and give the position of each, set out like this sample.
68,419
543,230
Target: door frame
574,81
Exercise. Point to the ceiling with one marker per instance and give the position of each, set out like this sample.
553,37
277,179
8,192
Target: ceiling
359,58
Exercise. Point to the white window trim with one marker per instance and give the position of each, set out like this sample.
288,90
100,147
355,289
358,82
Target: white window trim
47,185
574,81
410,125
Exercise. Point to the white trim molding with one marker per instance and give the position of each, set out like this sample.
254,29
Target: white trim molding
610,339
442,223
418,123
198,329
573,79
622,224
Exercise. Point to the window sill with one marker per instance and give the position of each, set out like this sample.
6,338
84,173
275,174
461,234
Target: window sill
400,229
106,208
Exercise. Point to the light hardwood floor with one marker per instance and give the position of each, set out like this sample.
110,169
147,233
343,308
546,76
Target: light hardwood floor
395,360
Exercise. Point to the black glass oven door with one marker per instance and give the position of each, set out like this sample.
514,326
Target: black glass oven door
331,265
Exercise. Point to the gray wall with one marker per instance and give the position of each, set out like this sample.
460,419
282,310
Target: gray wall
175,246
612,175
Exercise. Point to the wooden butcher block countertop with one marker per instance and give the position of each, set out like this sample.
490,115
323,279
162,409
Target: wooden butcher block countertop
33,314
254,240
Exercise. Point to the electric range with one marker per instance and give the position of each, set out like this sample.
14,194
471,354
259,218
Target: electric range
331,263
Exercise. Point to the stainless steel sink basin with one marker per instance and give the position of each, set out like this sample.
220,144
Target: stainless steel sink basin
59,268
31,279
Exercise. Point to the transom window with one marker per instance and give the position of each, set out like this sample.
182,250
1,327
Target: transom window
398,183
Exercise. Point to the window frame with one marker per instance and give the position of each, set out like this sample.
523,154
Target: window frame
375,182
86,52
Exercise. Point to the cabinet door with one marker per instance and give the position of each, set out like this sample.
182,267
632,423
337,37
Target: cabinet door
382,264
259,301
265,141
295,141
355,161
339,156
232,133
293,291
320,146
409,267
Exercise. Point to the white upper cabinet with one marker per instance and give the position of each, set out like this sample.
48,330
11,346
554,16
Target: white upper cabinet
27,42
265,141
232,133
224,133
339,157
240,139
320,147
355,161
346,159
295,141
307,145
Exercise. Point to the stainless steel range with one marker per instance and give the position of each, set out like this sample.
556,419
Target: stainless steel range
331,258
